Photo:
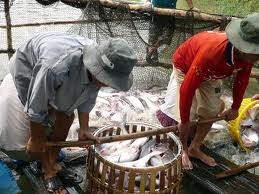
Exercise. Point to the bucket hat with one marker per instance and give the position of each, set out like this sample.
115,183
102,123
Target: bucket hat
111,63
244,33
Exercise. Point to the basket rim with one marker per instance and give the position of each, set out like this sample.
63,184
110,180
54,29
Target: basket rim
121,167
234,125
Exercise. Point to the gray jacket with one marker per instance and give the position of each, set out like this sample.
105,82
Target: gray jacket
48,70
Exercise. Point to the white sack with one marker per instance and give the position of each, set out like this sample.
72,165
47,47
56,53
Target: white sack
14,124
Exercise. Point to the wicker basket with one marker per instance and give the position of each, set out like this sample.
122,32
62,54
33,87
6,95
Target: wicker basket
98,168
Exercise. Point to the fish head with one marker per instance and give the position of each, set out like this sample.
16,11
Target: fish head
163,147
250,137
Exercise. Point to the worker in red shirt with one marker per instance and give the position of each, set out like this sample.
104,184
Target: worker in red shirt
194,89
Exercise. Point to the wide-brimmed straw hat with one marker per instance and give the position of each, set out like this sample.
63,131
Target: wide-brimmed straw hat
111,63
244,33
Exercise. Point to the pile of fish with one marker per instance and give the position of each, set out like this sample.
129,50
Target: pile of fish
139,153
113,106
249,128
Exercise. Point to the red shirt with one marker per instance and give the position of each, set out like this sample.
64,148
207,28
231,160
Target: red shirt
205,56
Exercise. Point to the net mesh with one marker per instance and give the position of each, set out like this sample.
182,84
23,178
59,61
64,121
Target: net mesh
136,28
154,42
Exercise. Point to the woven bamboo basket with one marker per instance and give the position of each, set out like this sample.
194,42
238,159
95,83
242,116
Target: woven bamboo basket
101,173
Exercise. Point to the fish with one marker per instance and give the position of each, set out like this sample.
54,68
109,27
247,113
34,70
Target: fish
138,153
123,155
250,138
149,104
125,151
168,156
249,128
107,148
156,161
134,106
147,148
143,162
139,142
136,103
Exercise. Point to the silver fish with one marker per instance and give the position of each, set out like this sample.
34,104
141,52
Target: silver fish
147,148
139,142
156,161
143,162
249,137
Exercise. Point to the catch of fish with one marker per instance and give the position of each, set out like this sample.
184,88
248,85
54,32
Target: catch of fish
142,152
249,127
113,106
139,153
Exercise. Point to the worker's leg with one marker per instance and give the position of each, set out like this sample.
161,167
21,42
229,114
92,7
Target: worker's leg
155,30
194,149
209,105
60,131
168,24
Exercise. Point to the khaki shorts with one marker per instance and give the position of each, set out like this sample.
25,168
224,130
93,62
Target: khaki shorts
206,101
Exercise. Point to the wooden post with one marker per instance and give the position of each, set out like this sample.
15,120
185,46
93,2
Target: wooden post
8,28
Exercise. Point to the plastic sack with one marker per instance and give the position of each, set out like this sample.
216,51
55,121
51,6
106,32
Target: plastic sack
8,183
14,125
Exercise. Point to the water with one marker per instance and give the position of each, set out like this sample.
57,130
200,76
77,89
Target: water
27,11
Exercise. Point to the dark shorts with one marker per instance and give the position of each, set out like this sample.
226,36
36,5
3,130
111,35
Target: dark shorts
161,29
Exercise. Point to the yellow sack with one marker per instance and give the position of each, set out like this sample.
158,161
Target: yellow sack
234,125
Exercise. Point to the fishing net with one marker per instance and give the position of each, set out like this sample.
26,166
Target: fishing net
142,32
100,21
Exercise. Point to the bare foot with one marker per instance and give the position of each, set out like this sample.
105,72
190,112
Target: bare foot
187,165
197,153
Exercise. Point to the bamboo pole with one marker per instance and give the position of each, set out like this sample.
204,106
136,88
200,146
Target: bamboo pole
7,51
160,11
53,23
236,170
115,138
8,27
212,120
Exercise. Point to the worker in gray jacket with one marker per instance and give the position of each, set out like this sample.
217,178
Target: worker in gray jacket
56,73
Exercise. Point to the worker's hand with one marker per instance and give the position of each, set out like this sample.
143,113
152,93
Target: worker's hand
87,135
184,127
148,6
230,114
255,97
36,146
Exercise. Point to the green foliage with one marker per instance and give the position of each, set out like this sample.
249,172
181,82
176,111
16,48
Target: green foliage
225,7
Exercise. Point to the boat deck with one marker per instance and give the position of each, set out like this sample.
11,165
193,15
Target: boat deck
245,183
